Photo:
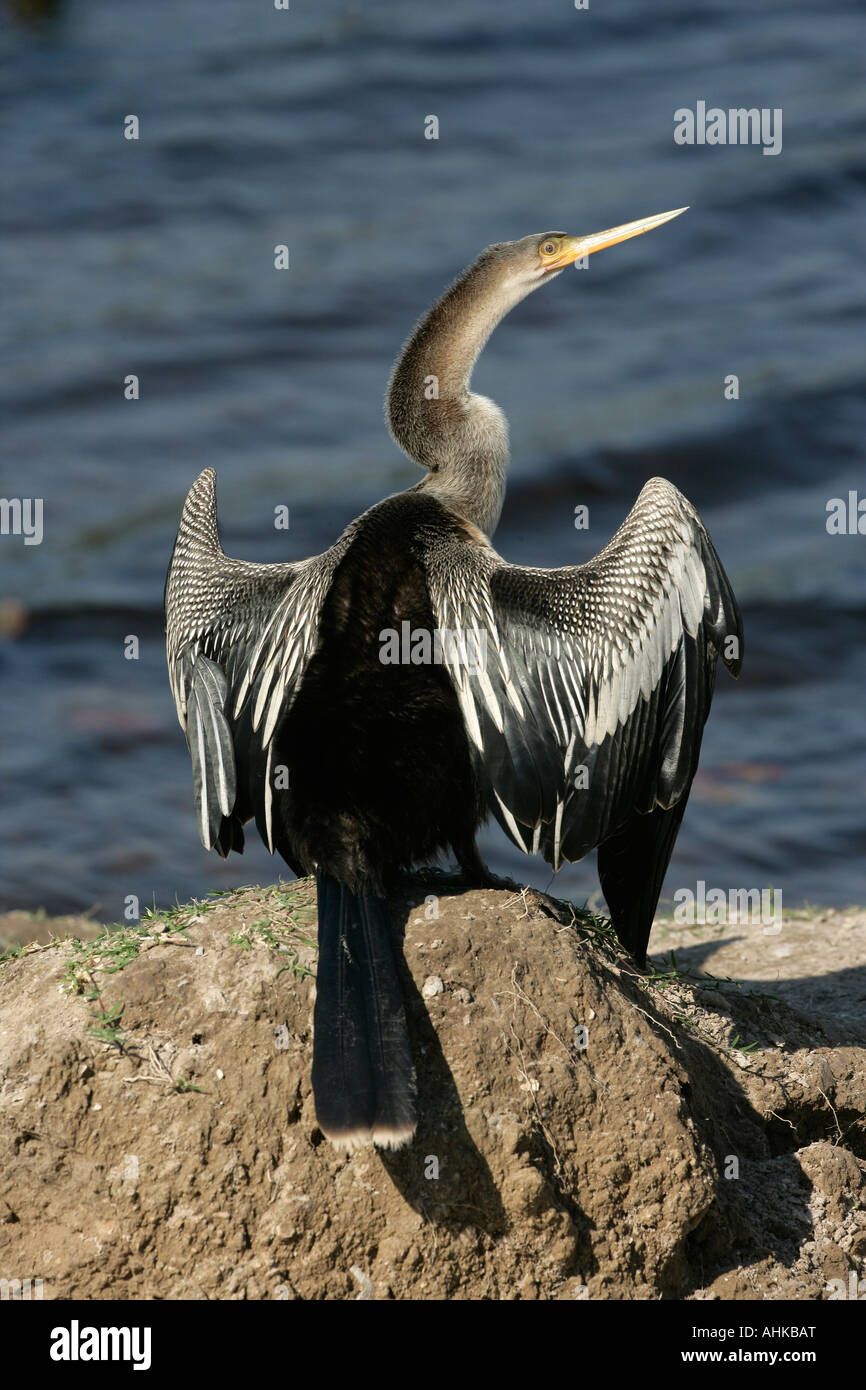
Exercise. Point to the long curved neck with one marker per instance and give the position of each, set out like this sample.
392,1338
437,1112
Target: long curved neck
461,438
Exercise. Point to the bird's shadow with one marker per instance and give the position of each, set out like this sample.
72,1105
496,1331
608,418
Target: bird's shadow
441,1174
444,1177
839,1029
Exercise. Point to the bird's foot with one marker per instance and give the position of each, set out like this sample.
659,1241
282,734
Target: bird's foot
475,873
489,880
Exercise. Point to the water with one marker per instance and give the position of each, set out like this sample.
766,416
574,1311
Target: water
306,128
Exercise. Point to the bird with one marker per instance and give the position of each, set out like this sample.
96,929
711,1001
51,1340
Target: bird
372,706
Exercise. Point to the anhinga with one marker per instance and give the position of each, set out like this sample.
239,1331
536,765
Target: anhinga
570,703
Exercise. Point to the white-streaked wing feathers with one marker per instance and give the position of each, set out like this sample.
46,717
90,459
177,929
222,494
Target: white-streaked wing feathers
238,639
598,677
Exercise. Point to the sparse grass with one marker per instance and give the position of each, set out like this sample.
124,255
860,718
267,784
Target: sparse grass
597,929
600,931
11,923
659,981
109,952
182,1084
17,949
291,909
105,1021
287,927
711,983
811,912
289,924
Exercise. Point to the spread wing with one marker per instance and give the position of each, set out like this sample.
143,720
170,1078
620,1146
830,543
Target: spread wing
238,640
586,714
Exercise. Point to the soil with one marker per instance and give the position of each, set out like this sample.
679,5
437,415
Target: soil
586,1131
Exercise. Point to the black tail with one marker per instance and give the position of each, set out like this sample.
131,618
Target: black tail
631,868
363,1076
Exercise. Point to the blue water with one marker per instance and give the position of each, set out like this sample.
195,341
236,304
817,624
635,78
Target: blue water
306,128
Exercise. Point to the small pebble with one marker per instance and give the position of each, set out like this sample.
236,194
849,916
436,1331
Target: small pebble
432,986
220,1075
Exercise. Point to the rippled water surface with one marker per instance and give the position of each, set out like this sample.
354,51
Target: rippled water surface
306,127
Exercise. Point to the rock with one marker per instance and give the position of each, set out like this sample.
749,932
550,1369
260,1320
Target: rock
646,1164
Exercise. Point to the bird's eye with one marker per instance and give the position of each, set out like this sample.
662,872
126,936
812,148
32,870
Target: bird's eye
548,248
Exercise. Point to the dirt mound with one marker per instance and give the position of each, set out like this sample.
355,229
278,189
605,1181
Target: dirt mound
585,1132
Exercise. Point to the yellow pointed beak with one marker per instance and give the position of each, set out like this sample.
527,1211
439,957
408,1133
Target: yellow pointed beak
575,248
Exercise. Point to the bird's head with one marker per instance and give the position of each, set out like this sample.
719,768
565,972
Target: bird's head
525,264
432,414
